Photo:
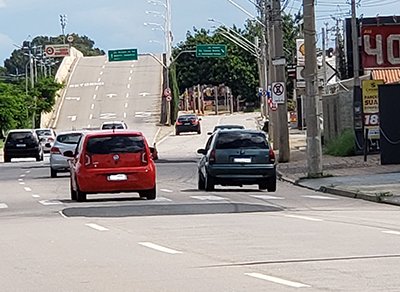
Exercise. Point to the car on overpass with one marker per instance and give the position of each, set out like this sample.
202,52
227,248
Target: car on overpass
237,157
114,161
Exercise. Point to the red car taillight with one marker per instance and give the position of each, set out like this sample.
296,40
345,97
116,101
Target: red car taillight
55,150
88,160
178,123
271,155
212,158
144,159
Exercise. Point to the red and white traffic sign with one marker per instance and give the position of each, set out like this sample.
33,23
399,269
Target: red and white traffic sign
167,91
278,92
56,50
168,98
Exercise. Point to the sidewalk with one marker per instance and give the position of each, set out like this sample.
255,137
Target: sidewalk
345,176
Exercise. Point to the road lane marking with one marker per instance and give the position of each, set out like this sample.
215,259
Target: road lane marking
101,72
159,247
62,214
130,78
304,218
97,227
127,95
20,179
3,206
277,280
166,190
27,189
96,88
163,199
50,202
77,98
28,171
126,104
108,116
22,175
92,106
94,96
130,72
128,86
144,94
35,196
73,118
124,115
266,197
88,126
21,183
90,116
209,198
102,67
320,197
391,232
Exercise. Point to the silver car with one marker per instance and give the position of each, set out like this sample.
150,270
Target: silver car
64,141
46,137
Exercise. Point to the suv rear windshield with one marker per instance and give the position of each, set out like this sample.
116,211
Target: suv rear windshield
115,144
69,138
21,136
233,140
43,132
186,118
112,126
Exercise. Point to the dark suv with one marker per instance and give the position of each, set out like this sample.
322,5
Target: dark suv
237,157
22,144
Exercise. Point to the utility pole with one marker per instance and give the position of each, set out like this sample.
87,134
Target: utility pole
282,119
324,60
354,36
63,22
314,148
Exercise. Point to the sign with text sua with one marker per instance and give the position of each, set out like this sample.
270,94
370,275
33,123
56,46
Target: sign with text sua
122,55
371,107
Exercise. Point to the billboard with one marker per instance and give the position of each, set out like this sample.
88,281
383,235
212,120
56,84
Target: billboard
380,46
371,107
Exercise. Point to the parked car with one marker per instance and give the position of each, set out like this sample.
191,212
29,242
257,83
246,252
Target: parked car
64,141
23,143
46,137
112,162
113,125
225,127
187,123
237,157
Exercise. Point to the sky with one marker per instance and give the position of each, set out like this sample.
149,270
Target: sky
119,24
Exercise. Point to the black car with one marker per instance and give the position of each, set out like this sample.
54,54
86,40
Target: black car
237,157
187,123
22,143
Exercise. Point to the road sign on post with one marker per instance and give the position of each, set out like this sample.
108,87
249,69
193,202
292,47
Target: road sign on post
56,50
278,92
122,55
211,50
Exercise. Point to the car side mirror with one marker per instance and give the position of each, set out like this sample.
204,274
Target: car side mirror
69,154
202,151
154,152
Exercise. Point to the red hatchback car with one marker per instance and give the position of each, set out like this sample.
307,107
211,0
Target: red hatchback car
112,162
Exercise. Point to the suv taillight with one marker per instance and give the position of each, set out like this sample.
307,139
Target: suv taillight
271,155
55,150
144,158
212,158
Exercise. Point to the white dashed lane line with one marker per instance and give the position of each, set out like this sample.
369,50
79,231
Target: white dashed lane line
130,78
166,190
20,179
35,196
162,199
90,116
28,171
127,95
3,206
208,198
101,73
21,183
27,189
128,86
50,202
124,115
277,280
22,175
96,227
92,106
126,105
320,197
98,80
391,232
159,247
94,96
304,218
267,197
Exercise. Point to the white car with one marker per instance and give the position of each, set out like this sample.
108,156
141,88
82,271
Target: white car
46,137
114,125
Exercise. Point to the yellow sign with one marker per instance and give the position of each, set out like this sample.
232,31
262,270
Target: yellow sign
370,96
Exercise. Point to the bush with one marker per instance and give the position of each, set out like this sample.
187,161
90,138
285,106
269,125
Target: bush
343,145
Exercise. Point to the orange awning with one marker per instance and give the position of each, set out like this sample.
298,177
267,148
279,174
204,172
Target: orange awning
391,75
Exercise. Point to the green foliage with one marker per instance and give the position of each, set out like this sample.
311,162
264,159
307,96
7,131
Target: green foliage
342,146
45,90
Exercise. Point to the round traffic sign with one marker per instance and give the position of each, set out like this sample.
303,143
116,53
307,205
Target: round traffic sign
278,89
70,38
167,91
49,51
168,98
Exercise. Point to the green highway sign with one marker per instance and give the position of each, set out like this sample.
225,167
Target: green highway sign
211,50
122,55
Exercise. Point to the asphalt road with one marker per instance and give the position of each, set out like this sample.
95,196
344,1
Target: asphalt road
100,91
231,239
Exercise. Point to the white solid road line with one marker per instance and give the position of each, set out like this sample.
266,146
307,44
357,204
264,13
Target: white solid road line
320,197
277,280
97,227
62,214
209,198
3,206
267,197
27,189
391,232
304,218
159,247
166,190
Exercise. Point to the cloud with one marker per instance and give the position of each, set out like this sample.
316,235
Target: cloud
2,3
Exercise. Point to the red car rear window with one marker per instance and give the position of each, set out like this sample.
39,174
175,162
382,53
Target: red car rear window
115,144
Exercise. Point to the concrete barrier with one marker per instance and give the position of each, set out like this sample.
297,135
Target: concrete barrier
49,120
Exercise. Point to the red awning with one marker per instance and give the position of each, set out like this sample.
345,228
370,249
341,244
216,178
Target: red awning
391,75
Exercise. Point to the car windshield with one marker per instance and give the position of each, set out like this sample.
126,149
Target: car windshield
115,144
187,117
26,136
112,126
233,140
72,138
43,132
228,127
